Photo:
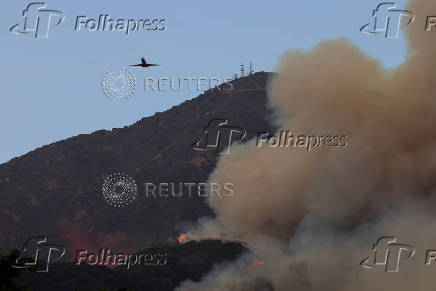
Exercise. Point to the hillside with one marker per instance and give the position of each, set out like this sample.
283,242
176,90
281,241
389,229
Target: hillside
56,190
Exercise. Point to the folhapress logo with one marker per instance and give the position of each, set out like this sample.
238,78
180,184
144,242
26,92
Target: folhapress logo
38,20
43,253
386,19
218,135
387,253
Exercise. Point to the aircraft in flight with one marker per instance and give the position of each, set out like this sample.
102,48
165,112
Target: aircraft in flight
144,64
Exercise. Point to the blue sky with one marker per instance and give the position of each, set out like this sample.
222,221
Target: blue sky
51,87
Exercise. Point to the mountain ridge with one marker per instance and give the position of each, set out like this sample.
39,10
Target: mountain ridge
55,190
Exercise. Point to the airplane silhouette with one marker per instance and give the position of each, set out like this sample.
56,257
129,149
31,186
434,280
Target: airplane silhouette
144,64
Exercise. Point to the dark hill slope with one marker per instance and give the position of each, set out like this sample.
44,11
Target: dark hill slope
56,191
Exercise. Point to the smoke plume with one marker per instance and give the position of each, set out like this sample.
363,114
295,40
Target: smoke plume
313,216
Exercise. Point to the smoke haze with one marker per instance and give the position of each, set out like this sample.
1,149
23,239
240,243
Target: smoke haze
314,216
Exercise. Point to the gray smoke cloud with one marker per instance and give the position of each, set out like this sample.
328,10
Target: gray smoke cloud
312,216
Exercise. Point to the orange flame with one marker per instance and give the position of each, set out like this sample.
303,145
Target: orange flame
257,263
181,238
